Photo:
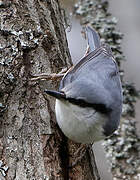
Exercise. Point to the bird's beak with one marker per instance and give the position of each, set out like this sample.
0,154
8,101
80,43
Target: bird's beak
56,94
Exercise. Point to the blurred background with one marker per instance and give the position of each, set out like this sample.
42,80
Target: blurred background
128,14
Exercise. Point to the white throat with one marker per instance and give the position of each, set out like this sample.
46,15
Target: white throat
83,125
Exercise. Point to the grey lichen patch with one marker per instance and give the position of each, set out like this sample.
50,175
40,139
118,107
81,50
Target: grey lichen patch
3,168
14,39
123,150
2,107
130,97
19,40
26,38
5,3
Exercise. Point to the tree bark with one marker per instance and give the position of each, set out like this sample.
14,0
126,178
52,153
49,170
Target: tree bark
33,41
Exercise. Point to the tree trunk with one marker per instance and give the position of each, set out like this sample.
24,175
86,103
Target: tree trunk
33,41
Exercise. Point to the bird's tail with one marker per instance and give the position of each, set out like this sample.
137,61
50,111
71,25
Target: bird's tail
93,38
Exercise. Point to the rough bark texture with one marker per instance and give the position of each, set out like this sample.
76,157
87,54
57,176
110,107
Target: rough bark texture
33,41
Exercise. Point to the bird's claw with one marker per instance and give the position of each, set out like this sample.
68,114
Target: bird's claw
53,76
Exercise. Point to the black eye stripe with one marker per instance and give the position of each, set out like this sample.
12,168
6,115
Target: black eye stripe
98,107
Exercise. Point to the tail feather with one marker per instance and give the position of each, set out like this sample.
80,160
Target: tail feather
93,38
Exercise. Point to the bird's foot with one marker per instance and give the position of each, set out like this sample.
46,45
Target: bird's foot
53,76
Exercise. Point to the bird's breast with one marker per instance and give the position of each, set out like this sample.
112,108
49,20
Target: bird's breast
83,125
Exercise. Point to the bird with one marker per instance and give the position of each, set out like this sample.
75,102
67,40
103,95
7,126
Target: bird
89,100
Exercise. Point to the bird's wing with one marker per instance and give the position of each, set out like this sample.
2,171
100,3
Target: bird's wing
95,78
95,82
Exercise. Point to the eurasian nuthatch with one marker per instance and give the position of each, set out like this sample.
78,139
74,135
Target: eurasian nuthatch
89,100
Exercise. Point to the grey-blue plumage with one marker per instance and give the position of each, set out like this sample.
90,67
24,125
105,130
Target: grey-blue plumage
92,86
93,39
